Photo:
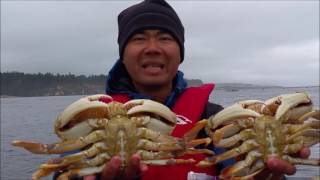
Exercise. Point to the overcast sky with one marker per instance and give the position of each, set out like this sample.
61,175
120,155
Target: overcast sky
257,42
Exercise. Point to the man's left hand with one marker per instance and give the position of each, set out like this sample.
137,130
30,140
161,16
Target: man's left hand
277,168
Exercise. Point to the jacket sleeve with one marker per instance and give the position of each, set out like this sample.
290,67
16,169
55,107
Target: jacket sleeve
212,109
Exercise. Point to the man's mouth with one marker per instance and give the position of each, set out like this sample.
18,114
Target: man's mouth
153,69
153,66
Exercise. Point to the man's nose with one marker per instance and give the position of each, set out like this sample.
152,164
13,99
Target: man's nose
152,46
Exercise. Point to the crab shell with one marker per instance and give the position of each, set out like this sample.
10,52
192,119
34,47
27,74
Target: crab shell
88,113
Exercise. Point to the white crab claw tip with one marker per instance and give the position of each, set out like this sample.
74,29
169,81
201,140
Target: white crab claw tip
290,101
146,105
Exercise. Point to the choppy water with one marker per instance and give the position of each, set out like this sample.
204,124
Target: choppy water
31,118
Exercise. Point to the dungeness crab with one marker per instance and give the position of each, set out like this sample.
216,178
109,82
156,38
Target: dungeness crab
102,130
255,130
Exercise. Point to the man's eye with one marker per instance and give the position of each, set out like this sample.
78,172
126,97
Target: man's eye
137,38
166,38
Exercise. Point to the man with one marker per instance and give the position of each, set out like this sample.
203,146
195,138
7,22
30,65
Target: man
151,48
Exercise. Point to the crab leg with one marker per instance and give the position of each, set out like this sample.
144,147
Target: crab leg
315,114
232,129
294,128
167,142
197,142
46,169
198,151
292,160
157,146
243,135
295,113
310,141
169,161
99,159
245,147
80,172
295,147
148,155
255,169
190,136
59,148
305,132
154,135
67,160
225,131
243,167
193,132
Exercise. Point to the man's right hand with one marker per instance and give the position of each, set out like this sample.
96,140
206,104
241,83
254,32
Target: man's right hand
113,170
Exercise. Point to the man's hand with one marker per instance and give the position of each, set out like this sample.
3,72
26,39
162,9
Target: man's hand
113,171
277,167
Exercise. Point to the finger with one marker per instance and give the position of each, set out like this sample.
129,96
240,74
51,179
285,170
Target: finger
90,177
280,166
305,152
111,169
134,166
143,168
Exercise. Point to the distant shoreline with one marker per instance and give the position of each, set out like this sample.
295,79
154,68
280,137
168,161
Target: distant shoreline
218,87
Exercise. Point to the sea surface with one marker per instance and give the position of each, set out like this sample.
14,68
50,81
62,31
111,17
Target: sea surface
31,118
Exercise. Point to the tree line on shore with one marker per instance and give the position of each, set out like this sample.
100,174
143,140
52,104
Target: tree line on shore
49,84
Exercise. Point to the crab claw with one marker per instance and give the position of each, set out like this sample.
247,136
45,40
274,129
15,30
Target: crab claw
87,108
231,113
145,105
164,121
292,105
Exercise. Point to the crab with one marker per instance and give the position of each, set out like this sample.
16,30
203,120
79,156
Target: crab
254,130
101,130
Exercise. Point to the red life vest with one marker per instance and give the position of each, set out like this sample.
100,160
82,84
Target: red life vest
188,108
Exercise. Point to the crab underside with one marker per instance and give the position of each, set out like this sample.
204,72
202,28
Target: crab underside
100,130
254,130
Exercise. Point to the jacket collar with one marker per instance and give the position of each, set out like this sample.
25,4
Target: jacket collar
119,82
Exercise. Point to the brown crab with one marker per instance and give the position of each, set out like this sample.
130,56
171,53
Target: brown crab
255,130
102,130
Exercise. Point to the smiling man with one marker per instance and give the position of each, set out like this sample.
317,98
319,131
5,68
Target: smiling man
151,48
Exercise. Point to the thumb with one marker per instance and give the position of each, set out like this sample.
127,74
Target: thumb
90,177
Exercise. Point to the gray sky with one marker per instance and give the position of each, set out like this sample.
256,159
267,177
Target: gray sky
258,42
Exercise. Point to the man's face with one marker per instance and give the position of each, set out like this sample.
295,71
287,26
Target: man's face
152,58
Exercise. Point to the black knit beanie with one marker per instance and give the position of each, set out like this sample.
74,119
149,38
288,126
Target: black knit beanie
147,15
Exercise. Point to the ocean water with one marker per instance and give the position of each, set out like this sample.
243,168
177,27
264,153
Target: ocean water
31,118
